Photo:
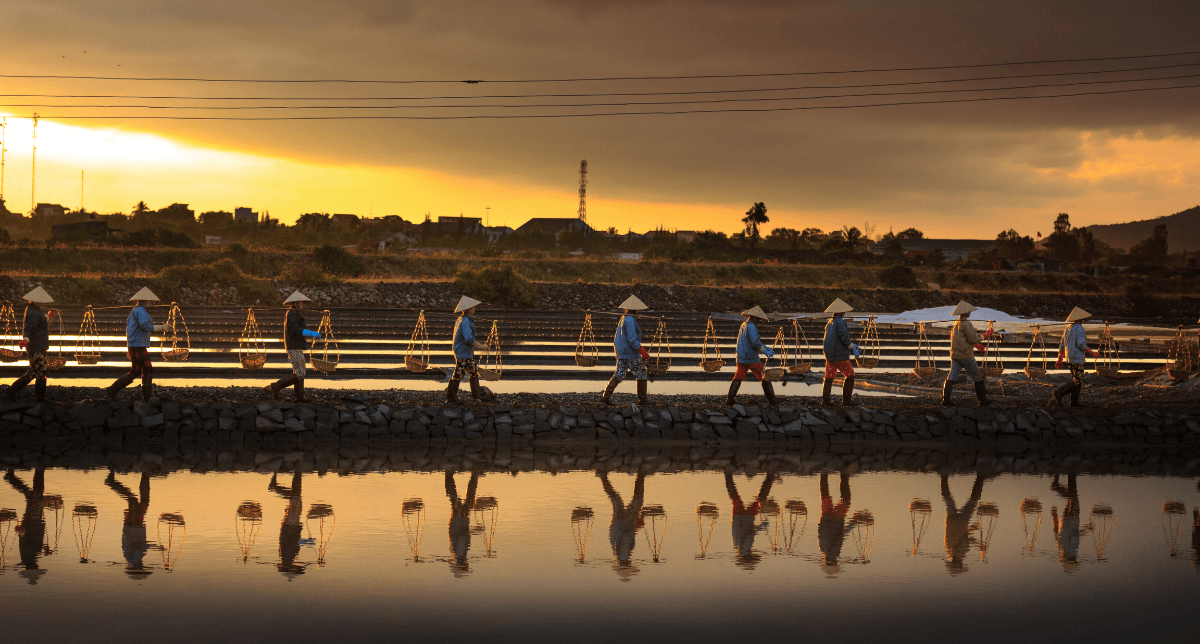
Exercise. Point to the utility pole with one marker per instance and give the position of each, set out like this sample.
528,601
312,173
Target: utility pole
487,217
33,171
3,140
583,190
81,191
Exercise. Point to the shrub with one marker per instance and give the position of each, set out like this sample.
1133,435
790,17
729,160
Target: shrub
168,258
752,297
224,273
338,261
304,273
898,276
499,287
79,290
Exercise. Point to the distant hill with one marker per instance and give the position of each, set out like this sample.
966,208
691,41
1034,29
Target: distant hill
1183,231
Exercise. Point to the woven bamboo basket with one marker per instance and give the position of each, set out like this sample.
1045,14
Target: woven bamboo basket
9,355
586,361
488,374
55,362
1035,373
1107,372
658,366
1179,374
992,372
414,364
868,363
254,361
774,373
800,367
712,366
324,366
87,358
925,372
175,355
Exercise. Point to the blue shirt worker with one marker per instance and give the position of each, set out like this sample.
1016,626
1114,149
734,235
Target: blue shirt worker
35,342
838,349
295,342
964,339
1074,349
631,355
465,345
138,328
749,346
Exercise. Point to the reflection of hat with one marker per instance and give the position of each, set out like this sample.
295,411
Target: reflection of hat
963,308
466,303
756,312
1078,314
633,304
39,295
144,295
297,297
839,306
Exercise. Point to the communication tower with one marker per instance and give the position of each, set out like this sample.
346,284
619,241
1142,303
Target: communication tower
583,190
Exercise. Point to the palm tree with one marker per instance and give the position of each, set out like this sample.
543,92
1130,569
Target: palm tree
141,208
755,216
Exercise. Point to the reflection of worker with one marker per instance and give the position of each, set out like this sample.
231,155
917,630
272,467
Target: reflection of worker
831,529
291,528
958,524
626,520
32,530
743,526
1196,539
1066,528
460,522
133,533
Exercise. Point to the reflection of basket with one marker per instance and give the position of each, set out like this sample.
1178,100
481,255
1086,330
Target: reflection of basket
87,358
586,361
488,374
414,364
254,361
1035,373
774,373
800,367
924,372
1107,372
992,372
1179,374
712,365
324,366
8,355
868,363
175,355
657,366
55,362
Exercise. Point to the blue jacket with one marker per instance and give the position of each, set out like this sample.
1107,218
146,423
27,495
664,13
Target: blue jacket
749,345
837,340
1074,340
138,327
37,330
464,338
628,338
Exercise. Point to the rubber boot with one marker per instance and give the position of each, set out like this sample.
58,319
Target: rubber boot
299,385
641,386
452,391
848,392
116,387
284,382
826,390
981,393
606,397
476,392
769,392
734,385
16,387
947,390
147,390
1061,391
39,389
1075,391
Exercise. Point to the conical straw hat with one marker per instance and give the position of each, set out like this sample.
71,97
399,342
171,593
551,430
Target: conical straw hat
839,306
1078,314
963,308
633,304
39,295
144,295
297,297
466,303
756,312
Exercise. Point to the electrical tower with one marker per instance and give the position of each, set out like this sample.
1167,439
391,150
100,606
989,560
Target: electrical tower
33,170
583,190
3,140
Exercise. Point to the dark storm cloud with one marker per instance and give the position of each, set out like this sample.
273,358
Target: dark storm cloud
938,159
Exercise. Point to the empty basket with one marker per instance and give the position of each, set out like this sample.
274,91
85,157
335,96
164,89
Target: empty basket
1035,373
324,366
175,355
774,373
254,361
801,367
488,374
586,361
413,364
55,362
712,365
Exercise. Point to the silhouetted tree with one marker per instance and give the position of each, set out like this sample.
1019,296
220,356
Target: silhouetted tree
1153,249
1012,245
756,216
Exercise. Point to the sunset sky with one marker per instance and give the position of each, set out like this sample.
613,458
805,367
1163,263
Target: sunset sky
952,170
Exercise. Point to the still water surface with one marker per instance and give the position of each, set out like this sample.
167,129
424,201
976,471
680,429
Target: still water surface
572,556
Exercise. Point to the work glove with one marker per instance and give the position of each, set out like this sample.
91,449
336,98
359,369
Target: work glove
1061,356
481,346
644,353
51,314
855,350
990,333
23,343
980,348
311,334
159,328
1089,353
769,353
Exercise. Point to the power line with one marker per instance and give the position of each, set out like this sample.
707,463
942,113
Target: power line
597,114
595,79
604,94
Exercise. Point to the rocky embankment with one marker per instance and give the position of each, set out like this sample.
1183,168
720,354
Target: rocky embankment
585,295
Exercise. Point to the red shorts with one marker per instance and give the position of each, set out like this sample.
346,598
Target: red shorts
844,366
139,361
756,369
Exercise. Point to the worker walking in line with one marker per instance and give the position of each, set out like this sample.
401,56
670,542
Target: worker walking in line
295,342
1073,347
138,328
963,340
749,345
838,349
631,355
35,342
465,345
